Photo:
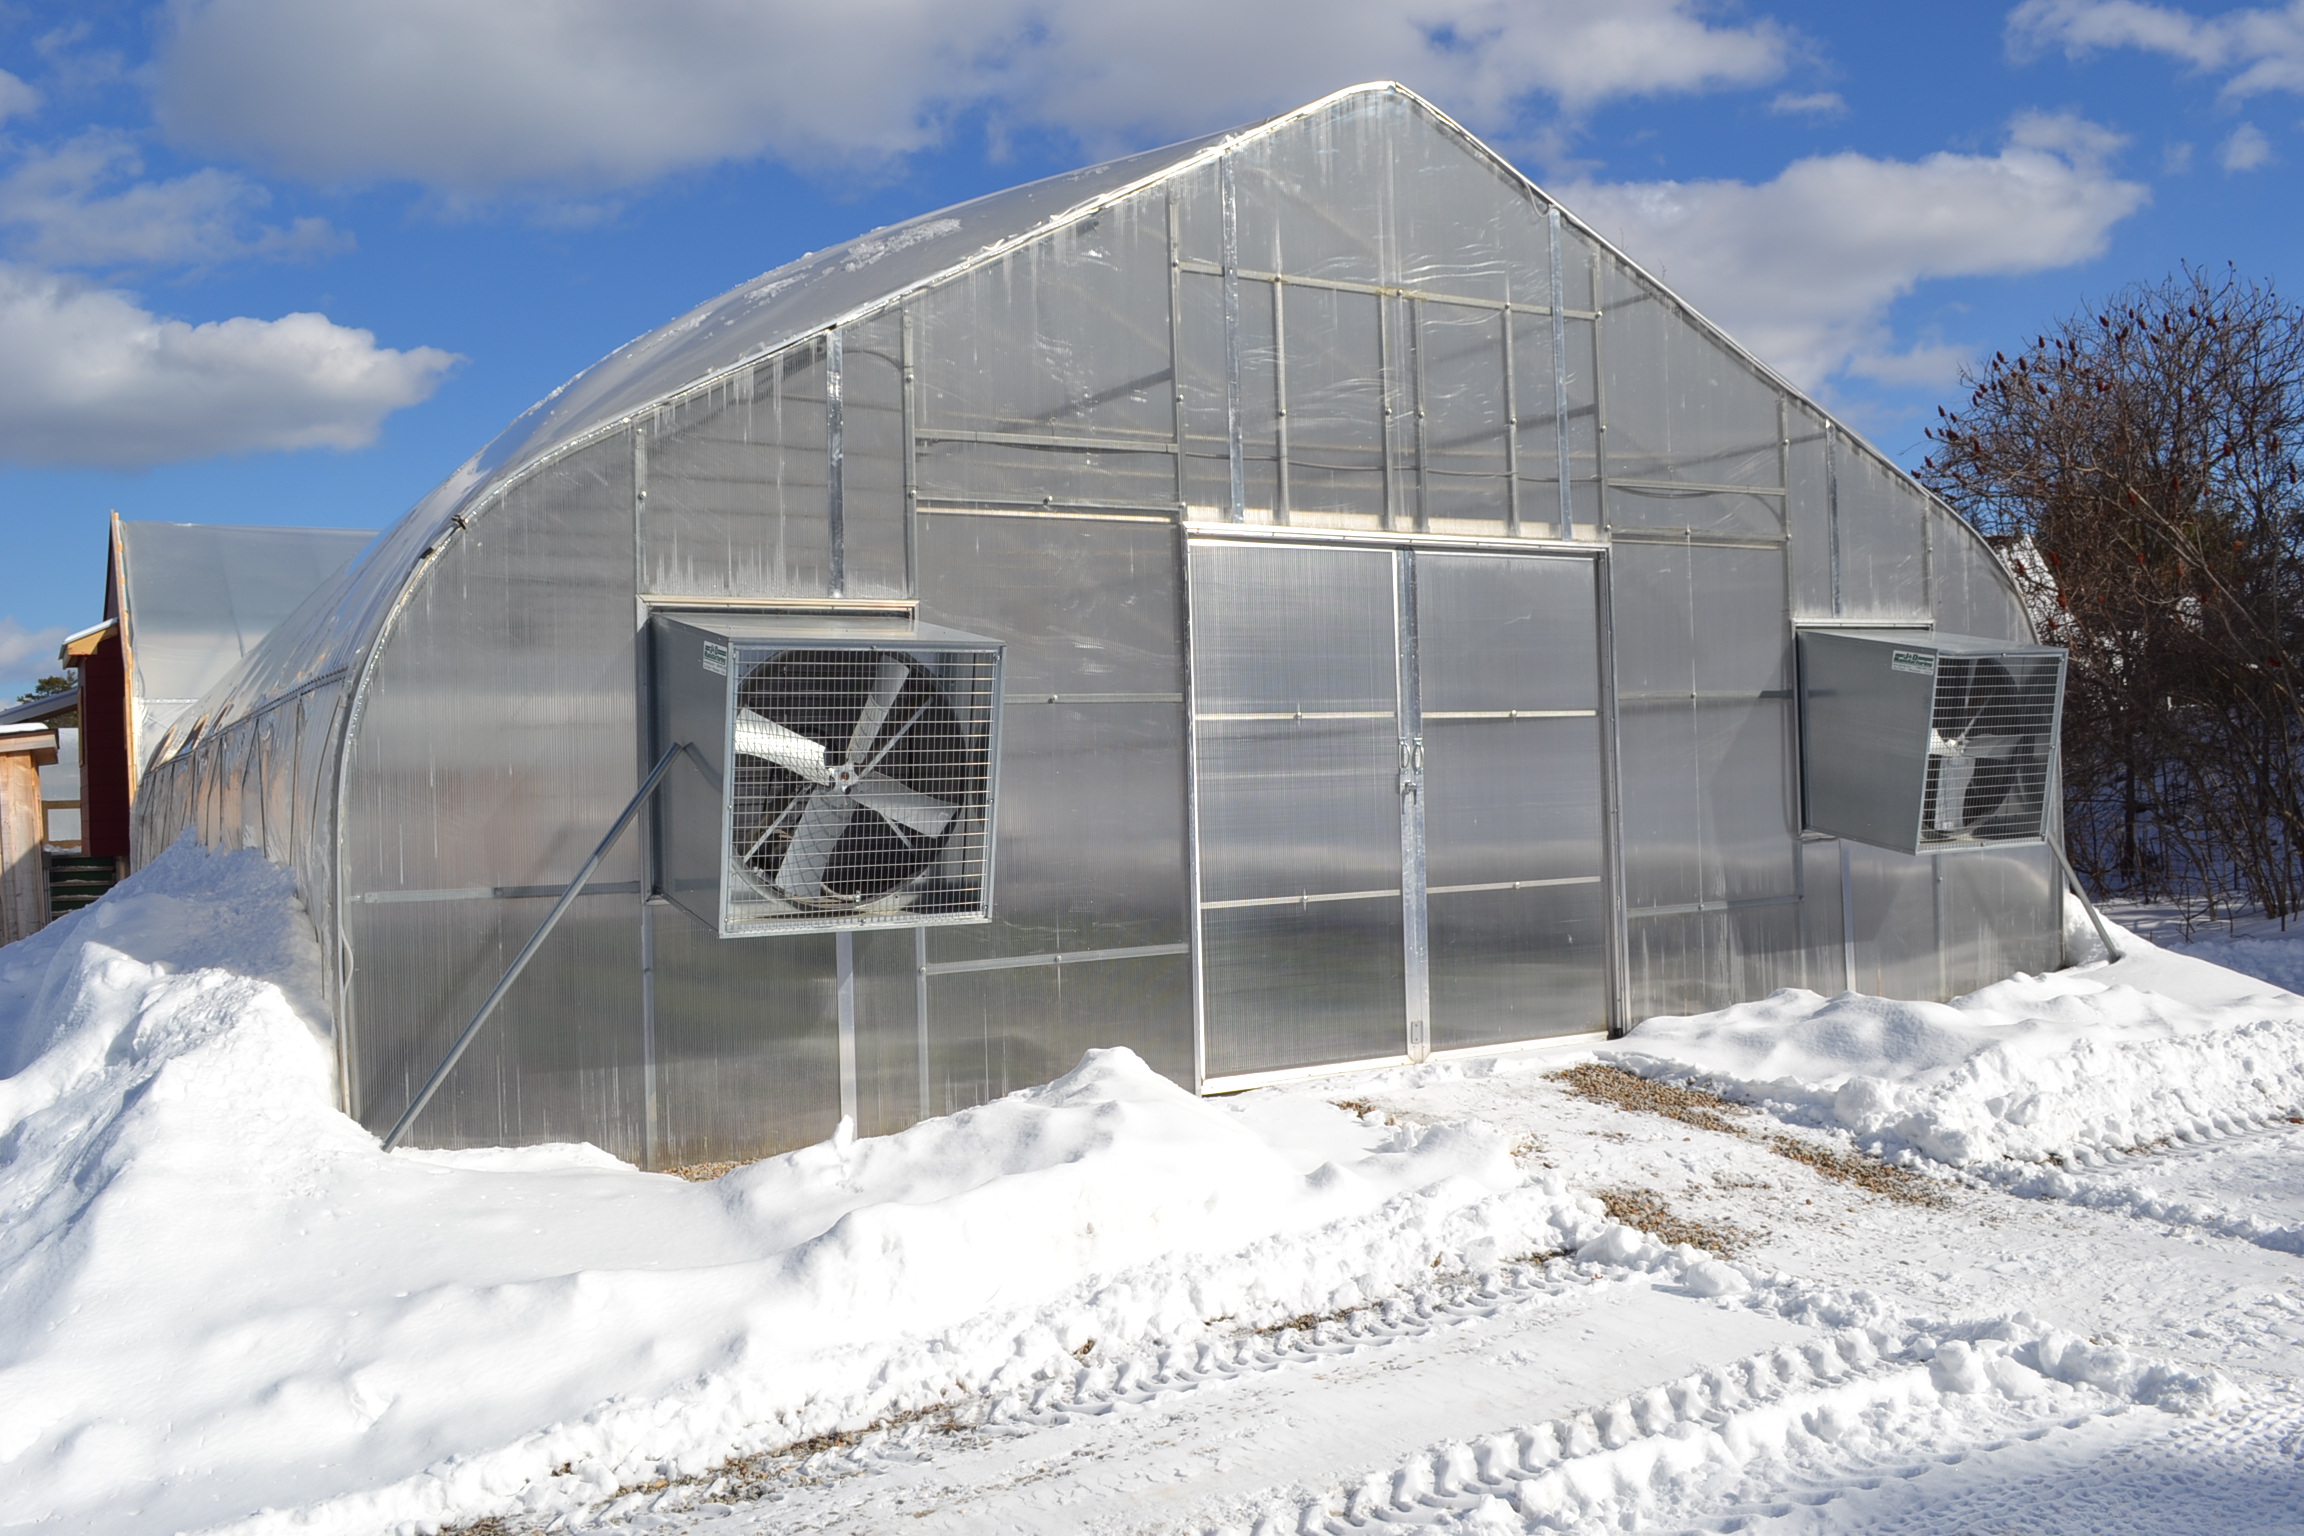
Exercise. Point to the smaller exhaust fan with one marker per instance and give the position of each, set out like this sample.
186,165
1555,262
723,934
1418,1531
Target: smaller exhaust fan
1927,743
856,761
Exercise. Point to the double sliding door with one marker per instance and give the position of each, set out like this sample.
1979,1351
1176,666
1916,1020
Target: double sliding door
1399,792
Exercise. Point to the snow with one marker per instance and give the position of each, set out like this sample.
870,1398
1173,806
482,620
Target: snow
1109,1305
2076,1064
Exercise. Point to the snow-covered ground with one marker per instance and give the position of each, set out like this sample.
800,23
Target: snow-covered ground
2027,1261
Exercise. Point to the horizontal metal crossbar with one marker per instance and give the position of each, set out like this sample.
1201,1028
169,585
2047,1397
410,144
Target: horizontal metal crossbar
1302,900
1068,957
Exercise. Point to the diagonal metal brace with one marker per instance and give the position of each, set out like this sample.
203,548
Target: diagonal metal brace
2111,949
567,899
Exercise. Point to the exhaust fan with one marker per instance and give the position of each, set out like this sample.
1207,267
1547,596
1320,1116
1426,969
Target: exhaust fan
1921,742
853,760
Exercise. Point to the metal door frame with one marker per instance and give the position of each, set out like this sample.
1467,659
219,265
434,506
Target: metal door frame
1407,703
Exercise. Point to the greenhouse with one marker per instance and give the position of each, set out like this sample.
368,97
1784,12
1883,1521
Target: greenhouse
1290,601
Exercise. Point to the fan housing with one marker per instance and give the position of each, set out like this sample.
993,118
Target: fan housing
855,766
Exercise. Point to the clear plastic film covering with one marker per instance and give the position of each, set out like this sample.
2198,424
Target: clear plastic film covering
1882,540
736,502
1681,409
1046,375
200,598
1970,590
1808,450
498,740
875,458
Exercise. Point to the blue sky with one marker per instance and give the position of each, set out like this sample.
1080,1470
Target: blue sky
263,261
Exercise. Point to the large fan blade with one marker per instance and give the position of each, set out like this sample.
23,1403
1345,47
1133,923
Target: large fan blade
821,825
887,682
759,736
906,807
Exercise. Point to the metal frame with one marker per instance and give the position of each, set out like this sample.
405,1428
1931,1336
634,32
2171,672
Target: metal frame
1408,716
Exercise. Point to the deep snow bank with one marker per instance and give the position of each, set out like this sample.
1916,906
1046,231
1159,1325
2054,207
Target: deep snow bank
220,1303
2029,1068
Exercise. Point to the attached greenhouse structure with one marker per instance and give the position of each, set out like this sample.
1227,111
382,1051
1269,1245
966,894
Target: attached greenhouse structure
1291,601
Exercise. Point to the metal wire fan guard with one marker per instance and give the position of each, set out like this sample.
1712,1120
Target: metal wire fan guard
856,769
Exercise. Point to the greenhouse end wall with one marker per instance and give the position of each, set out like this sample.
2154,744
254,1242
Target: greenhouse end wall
1398,593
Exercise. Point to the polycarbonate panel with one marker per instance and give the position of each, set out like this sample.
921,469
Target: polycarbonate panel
1064,337
1744,758
993,1031
1261,314
737,501
1296,676
1506,633
199,597
1883,541
1694,962
1512,804
1301,986
1681,406
1336,399
1821,930
559,1060
1808,515
1289,630
1084,605
889,1066
1296,807
1091,832
1465,433
1704,747
2003,913
1511,800
1091,824
747,1042
873,443
497,743
1517,964
1973,594
1892,897
1527,248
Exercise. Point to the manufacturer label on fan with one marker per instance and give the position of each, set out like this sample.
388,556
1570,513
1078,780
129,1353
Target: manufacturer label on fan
1919,663
715,658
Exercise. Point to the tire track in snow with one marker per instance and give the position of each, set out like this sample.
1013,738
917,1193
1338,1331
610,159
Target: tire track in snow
1778,1437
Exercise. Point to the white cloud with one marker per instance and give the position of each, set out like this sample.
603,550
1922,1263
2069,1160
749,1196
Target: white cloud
16,98
2245,150
80,204
1803,269
1812,104
25,653
478,98
93,378
2261,50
